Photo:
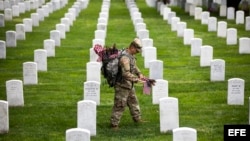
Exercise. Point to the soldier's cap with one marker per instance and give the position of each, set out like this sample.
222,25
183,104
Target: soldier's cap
137,44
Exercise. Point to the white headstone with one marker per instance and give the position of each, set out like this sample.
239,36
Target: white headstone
104,15
184,134
147,42
20,32
136,15
156,69
8,14
232,36
102,20
240,17
91,91
244,45
27,5
217,70
169,114
2,21
1,5
70,16
162,6
35,19
40,12
235,92
137,20
27,24
150,3
142,34
102,26
77,134
49,46
159,90
222,29
40,57
66,22
61,28
86,116
93,71
45,10
206,55
191,9
14,91
212,24
197,13
170,16
230,13
55,35
174,20
11,39
196,44
204,17
150,54
180,28
21,7
15,11
188,35
74,13
30,75
223,11
4,117
100,34
2,50
140,26
247,24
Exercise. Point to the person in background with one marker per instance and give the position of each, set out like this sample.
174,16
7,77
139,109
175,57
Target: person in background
244,5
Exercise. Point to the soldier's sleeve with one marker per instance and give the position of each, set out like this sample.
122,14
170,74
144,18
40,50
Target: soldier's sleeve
125,67
138,72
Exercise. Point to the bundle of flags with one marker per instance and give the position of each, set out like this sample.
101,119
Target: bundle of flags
106,53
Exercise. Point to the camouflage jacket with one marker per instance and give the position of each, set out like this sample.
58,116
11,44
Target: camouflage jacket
129,71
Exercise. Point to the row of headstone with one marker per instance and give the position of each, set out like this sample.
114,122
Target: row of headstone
29,4
101,30
149,52
229,33
217,69
30,69
93,67
14,88
86,108
26,26
229,12
20,8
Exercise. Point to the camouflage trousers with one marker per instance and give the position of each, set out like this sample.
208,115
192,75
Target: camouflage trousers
123,98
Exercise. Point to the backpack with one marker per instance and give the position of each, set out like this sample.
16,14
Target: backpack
109,56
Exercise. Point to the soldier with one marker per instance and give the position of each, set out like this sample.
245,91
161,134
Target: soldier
124,89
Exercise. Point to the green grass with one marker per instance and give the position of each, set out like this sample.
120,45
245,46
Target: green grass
51,105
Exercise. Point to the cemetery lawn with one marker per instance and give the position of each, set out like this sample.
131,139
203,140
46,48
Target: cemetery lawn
51,106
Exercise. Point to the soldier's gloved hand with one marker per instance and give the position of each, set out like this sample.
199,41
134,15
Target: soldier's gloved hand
141,80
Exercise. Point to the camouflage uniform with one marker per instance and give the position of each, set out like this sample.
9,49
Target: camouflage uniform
125,92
